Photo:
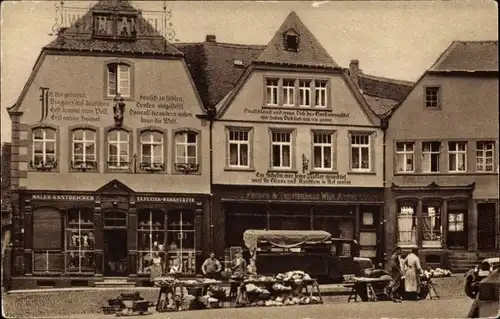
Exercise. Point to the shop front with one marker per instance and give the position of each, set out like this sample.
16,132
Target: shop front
81,238
350,213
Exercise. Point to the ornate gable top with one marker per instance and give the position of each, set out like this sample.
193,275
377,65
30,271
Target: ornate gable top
294,44
115,187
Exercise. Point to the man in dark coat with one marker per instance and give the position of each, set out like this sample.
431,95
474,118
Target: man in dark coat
396,274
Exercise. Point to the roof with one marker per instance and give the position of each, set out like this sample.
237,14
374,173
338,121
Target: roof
468,56
78,37
310,52
284,238
5,171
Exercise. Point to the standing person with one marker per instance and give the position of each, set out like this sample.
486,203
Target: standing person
211,267
396,274
239,266
156,269
412,276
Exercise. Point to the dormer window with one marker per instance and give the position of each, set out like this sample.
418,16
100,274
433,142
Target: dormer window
106,25
291,41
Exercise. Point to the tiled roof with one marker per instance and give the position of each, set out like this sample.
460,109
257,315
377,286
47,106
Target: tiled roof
380,106
384,88
310,52
5,185
468,56
78,37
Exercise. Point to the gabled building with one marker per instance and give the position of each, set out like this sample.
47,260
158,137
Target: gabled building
442,160
110,159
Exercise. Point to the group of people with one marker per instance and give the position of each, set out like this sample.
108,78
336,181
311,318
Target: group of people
409,268
212,268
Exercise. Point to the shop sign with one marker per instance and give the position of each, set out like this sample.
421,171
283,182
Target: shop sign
333,196
298,179
81,198
166,199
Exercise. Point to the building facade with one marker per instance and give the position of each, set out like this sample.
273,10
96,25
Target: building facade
109,156
442,160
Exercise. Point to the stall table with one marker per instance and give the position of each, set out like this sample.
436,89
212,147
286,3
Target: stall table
176,289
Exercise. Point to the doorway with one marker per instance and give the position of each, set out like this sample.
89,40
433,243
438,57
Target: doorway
115,252
486,224
457,226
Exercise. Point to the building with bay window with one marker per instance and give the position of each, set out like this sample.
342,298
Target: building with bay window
442,160
110,158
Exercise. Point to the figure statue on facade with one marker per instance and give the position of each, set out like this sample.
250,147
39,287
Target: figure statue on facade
118,109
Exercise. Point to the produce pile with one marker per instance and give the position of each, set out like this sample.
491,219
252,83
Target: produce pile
436,273
166,281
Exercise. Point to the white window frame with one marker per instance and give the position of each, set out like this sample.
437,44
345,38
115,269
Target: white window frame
85,142
281,144
320,93
288,92
44,140
272,89
457,153
150,232
120,145
360,146
184,159
404,153
238,137
151,143
429,154
407,216
323,145
437,94
305,90
80,251
485,150
121,79
435,235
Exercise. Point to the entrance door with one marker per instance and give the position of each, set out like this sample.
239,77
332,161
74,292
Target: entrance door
115,252
486,226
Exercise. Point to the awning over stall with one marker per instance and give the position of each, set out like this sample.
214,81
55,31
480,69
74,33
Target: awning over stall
284,238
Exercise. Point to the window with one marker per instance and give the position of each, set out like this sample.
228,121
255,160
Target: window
80,241
186,151
432,97
360,152
119,79
455,222
151,237
457,156
484,156
304,93
181,240
47,241
272,92
323,151
115,219
152,150
407,224
118,149
404,156
84,149
281,145
431,156
288,92
291,41
320,97
44,147
431,223
239,148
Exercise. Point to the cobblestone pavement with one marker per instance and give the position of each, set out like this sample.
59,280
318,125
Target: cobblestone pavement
444,308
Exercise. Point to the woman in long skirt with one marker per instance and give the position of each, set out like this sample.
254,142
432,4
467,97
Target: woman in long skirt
156,269
412,275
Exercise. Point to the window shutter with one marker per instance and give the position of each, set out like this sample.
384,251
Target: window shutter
124,79
47,229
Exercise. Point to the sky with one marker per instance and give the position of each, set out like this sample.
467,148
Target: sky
394,39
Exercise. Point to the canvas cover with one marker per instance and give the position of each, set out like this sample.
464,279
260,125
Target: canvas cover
284,238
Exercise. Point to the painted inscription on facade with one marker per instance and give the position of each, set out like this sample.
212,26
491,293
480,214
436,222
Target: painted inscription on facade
294,115
301,179
160,109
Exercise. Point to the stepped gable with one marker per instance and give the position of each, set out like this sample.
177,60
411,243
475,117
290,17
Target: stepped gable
79,37
309,51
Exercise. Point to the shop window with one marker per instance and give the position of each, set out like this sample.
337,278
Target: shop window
305,93
84,150
272,92
281,150
186,151
323,150
320,93
404,156
181,240
44,148
432,97
407,224
484,156
288,92
360,152
47,241
243,217
431,225
118,149
457,156
290,218
119,82
368,244
239,148
152,151
151,238
80,241
115,219
431,152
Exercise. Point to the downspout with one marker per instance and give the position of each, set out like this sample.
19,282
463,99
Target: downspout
384,124
211,117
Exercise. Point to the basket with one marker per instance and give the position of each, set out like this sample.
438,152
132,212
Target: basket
194,291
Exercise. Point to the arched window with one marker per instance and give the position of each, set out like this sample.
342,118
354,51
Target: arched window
44,147
118,149
118,79
84,149
152,150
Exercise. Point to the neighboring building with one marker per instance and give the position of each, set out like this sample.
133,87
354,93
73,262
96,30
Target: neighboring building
442,160
295,146
110,159
5,196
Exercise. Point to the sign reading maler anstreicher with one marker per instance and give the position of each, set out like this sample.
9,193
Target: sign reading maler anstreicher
82,198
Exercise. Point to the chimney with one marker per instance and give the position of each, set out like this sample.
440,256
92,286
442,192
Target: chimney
210,38
354,71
